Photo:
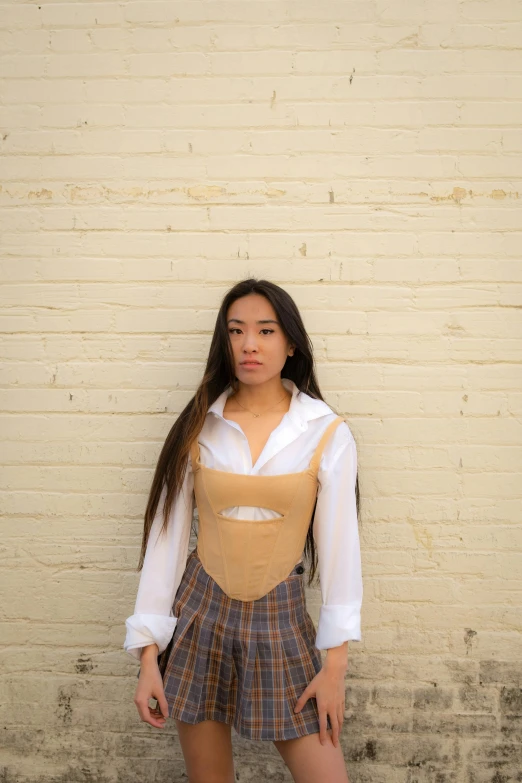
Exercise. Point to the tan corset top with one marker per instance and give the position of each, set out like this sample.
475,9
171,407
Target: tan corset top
248,558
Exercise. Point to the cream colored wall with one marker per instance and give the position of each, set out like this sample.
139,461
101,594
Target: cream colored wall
365,156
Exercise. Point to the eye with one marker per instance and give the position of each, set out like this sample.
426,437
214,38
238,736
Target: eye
237,329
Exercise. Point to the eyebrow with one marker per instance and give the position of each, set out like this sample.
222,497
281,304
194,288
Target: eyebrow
266,321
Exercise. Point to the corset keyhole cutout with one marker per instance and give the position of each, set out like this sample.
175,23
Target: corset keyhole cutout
268,513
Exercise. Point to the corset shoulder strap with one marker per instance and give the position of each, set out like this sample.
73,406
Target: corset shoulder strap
194,454
318,453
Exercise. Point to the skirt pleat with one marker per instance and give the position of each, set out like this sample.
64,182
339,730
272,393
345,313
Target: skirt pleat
244,663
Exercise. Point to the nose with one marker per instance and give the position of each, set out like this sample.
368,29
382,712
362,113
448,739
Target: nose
249,343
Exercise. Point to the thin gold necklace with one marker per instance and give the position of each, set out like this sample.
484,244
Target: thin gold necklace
256,415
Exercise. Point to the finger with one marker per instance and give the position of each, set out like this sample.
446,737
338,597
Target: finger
162,704
323,735
301,701
147,715
154,719
156,716
335,730
340,715
155,712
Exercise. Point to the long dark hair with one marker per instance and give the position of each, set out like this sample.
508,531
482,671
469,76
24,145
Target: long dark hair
219,374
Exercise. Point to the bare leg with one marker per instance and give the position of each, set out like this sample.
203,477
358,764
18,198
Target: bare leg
207,750
311,762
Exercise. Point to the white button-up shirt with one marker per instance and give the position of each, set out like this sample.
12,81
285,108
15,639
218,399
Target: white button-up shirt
289,449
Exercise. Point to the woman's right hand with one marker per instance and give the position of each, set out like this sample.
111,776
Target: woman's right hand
150,685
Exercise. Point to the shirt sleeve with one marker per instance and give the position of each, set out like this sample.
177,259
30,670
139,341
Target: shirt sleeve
163,567
336,535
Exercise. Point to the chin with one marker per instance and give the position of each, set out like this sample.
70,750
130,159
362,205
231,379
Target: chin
250,376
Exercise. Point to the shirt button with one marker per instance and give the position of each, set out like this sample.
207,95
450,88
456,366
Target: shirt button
299,569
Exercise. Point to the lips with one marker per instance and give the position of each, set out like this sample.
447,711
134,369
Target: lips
250,362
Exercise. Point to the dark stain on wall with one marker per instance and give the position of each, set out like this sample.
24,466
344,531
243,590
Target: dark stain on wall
64,706
84,665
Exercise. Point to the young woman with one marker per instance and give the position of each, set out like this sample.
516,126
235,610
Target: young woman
224,637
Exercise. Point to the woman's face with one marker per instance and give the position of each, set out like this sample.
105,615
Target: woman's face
259,344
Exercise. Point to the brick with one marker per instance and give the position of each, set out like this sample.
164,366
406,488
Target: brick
433,699
356,697
80,15
392,697
480,12
503,672
472,35
496,753
511,700
511,728
461,725
477,699
377,723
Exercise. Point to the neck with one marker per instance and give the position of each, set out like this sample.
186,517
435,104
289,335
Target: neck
262,395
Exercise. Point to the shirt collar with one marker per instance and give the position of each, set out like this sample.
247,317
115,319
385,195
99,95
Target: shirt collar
303,408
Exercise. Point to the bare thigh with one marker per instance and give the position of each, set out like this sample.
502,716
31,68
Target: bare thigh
311,762
207,750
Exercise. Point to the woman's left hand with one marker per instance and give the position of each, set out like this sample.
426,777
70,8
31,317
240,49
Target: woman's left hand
329,690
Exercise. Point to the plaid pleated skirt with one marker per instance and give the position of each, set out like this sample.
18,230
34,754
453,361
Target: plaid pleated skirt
244,663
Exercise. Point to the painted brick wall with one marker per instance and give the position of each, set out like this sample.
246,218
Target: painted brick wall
365,155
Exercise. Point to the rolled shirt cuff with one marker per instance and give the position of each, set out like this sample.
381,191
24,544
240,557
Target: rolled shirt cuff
338,624
145,629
